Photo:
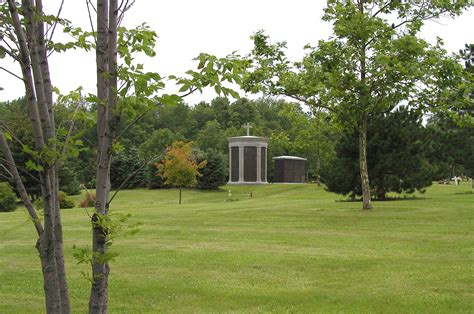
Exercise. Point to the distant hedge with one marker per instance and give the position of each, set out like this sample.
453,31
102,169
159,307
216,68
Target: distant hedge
7,198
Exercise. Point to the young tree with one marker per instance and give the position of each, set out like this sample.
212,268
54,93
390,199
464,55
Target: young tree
374,61
179,166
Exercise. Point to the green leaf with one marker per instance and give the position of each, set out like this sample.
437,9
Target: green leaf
31,165
8,136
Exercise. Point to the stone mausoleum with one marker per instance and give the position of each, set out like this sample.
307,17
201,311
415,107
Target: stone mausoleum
289,169
248,159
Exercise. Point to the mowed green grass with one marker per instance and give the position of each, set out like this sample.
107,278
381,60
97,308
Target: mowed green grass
289,248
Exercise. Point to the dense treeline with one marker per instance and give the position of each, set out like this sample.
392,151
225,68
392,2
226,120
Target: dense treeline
405,154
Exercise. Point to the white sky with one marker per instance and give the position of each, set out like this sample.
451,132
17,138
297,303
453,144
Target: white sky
186,28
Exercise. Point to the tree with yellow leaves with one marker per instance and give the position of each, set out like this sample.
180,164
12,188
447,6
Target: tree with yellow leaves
179,166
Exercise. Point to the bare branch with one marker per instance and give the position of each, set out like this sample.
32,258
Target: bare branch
20,186
189,93
90,18
53,28
25,171
145,163
138,118
71,129
382,8
11,73
126,7
7,171
9,51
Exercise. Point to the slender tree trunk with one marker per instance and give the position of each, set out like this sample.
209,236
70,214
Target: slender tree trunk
106,56
100,270
364,172
32,52
364,100
318,167
43,83
179,195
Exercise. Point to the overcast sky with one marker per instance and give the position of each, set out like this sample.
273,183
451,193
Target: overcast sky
186,28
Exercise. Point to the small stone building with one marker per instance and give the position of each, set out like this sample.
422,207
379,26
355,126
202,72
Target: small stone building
289,169
248,160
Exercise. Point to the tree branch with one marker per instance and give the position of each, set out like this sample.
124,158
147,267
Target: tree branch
147,162
55,22
192,90
11,73
20,186
126,7
132,123
90,18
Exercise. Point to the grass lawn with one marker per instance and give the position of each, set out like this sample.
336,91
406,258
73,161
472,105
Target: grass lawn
289,248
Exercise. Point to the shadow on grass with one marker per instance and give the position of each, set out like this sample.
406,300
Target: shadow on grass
464,193
387,199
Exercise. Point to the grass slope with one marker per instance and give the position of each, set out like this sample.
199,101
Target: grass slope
289,248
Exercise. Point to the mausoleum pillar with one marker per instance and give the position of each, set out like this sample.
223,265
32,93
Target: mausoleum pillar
230,163
241,164
259,164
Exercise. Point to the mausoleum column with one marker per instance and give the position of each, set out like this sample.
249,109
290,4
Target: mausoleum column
230,164
266,164
241,164
259,164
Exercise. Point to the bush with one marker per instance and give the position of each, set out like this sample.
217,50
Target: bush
87,201
64,201
7,198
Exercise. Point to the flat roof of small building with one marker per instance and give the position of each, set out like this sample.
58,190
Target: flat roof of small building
290,157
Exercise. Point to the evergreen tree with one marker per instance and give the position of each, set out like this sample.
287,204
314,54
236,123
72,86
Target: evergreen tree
214,173
397,148
127,165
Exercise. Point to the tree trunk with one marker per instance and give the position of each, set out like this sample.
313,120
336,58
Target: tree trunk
363,105
180,196
318,168
33,57
100,271
106,58
381,194
364,172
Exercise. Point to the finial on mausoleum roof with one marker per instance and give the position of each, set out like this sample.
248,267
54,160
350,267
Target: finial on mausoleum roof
248,127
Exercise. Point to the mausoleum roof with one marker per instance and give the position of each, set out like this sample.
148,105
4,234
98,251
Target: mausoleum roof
290,157
247,139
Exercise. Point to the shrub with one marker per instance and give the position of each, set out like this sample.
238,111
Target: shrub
87,201
7,198
64,201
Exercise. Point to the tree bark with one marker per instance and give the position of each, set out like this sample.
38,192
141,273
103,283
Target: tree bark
98,298
32,51
364,99
364,172
106,59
